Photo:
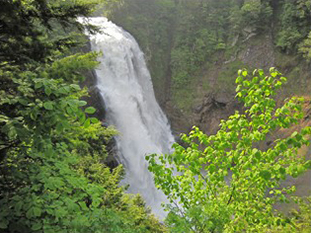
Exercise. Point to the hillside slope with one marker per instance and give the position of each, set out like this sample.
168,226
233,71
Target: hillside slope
194,49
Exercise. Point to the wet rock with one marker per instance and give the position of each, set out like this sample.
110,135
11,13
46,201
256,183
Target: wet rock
96,100
215,107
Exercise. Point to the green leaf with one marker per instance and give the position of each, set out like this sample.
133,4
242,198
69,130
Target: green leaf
247,173
277,167
69,110
48,105
238,88
62,90
60,212
59,127
82,103
29,213
308,164
294,134
212,168
272,69
12,132
75,86
37,226
255,80
246,83
23,102
87,123
4,118
36,211
274,74
239,79
260,71
81,117
283,79
72,206
38,85
48,91
265,174
4,223
90,110
258,155
33,115
94,120
18,206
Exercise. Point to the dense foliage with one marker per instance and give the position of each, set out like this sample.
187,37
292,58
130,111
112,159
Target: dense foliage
227,182
52,176
52,149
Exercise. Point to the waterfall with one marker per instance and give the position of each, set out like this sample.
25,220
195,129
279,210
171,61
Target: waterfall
125,85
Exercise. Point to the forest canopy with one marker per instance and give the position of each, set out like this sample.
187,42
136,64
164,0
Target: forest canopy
183,39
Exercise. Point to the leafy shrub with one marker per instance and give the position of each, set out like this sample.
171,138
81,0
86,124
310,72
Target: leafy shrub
225,182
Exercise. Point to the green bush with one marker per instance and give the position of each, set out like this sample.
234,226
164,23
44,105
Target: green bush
225,182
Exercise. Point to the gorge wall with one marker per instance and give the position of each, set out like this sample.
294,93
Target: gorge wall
195,48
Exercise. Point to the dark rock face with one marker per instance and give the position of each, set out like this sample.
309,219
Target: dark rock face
207,115
215,107
218,101
179,122
221,104
96,100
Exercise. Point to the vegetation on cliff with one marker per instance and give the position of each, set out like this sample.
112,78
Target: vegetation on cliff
184,40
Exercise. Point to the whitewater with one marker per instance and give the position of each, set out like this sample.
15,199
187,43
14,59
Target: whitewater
126,87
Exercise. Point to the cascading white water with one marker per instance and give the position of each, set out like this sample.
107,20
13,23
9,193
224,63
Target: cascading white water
125,84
